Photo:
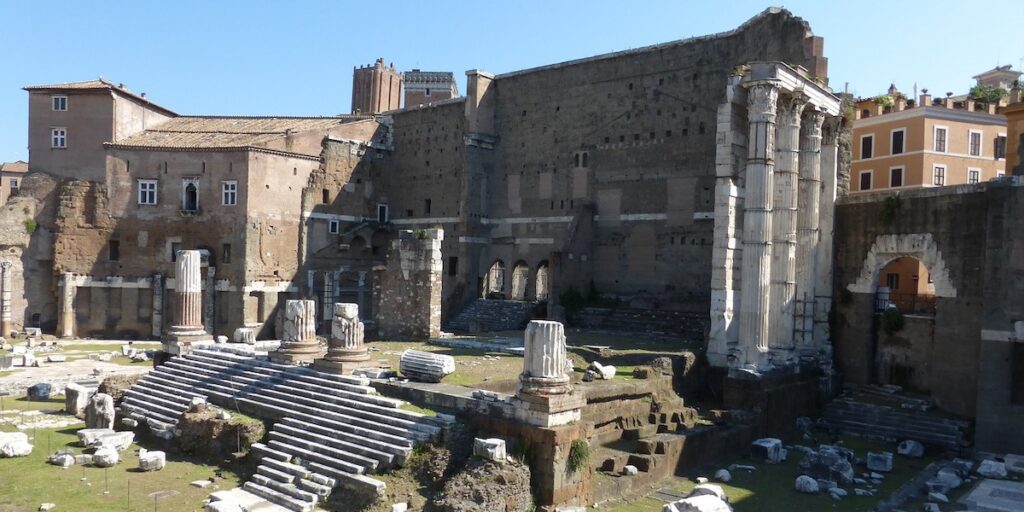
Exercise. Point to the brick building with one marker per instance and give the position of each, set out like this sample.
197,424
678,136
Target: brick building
422,87
11,174
376,88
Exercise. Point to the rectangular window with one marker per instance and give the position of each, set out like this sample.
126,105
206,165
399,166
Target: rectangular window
939,175
1000,146
382,213
897,141
14,183
892,281
974,147
229,193
60,103
113,250
225,253
147,191
896,177
973,175
940,139
865,180
867,146
175,247
453,265
333,227
325,196
426,206
58,137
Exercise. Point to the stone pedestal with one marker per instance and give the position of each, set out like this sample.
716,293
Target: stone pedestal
5,299
298,340
544,394
188,300
346,350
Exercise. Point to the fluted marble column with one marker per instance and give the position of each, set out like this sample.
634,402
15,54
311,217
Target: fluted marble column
298,342
346,350
188,295
762,97
5,298
784,213
807,222
826,216
545,371
67,305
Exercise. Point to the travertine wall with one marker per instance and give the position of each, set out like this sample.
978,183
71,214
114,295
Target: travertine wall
409,292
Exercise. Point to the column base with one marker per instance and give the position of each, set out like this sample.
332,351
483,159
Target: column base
179,341
548,410
544,386
343,367
297,353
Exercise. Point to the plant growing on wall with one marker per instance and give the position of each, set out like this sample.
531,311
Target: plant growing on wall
31,225
892,320
884,100
889,208
579,455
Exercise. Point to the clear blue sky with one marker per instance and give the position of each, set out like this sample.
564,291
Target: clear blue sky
296,57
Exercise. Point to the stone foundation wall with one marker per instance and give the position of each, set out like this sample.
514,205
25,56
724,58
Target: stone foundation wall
409,291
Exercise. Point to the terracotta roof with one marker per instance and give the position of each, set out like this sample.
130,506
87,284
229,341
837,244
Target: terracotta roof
17,166
227,132
96,85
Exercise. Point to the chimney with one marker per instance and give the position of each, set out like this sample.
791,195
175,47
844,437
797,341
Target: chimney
992,108
948,101
925,99
970,105
901,104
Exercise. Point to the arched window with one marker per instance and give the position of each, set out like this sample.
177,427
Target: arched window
190,195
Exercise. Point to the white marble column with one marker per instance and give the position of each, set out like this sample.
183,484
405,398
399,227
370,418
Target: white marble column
545,371
188,295
807,223
826,216
67,305
762,98
346,348
784,213
5,298
298,341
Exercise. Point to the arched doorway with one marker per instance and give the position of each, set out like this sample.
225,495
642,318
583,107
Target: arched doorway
191,202
542,281
494,283
520,278
905,284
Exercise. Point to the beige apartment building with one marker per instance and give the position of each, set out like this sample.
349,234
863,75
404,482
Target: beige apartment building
1014,113
900,144
11,174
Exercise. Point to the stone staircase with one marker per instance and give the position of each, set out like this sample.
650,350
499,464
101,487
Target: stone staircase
489,315
683,324
330,431
891,424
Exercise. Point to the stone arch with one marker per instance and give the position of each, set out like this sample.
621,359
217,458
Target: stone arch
494,283
541,281
520,279
888,248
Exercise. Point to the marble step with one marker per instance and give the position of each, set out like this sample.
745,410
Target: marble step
368,484
265,452
399,452
382,458
174,394
149,405
329,451
136,411
312,456
290,489
344,415
274,474
284,412
145,396
278,498
295,470
354,408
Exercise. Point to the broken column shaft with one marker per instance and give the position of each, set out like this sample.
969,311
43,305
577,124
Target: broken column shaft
346,349
298,342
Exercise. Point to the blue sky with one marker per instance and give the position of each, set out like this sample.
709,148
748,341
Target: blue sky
296,57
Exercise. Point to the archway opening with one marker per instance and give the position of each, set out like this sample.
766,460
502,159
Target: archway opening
191,197
542,281
905,285
520,277
494,284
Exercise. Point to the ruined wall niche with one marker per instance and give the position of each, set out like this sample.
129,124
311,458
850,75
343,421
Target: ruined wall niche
888,248
408,290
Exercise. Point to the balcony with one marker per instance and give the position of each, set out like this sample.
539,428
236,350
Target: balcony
906,303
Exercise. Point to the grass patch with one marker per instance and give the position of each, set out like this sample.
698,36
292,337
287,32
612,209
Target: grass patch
415,408
30,481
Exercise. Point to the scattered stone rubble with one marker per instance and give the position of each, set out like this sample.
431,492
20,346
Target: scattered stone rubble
14,444
425,366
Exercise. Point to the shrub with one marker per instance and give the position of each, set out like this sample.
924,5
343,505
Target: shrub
31,225
889,208
579,455
892,320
